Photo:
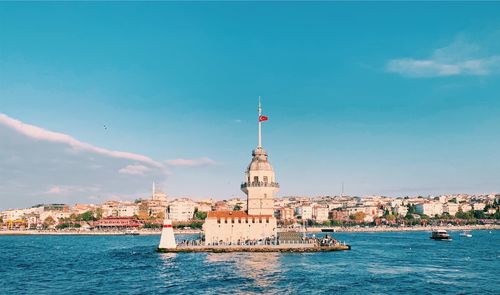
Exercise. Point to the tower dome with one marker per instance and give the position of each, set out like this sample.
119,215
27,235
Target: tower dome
259,161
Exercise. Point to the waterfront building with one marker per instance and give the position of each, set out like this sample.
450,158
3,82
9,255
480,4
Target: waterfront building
401,210
56,215
159,196
286,213
204,206
465,207
450,208
221,206
181,209
478,206
305,211
430,209
320,213
260,186
236,203
339,214
82,208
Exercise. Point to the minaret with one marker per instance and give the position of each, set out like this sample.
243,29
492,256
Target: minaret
260,184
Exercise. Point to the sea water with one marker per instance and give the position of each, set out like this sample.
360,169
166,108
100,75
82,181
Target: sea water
379,263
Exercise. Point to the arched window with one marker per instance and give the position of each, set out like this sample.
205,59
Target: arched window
265,179
255,179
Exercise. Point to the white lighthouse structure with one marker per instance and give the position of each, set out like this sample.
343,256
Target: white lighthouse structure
260,184
167,240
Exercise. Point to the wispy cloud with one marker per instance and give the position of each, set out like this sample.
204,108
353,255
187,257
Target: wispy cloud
134,170
458,58
191,162
46,135
66,189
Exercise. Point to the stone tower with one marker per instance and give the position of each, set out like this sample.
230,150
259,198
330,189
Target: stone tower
260,184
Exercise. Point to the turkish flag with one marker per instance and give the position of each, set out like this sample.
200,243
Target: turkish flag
263,118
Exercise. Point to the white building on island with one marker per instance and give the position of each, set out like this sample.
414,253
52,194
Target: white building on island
258,222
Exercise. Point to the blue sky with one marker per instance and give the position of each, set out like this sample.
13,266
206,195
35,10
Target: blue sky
389,98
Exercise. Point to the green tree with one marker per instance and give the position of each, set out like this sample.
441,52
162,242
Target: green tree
478,214
200,215
237,207
464,215
412,209
87,216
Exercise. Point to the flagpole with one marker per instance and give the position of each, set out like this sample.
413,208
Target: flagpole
260,125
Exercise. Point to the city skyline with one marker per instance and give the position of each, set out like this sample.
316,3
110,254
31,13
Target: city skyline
99,110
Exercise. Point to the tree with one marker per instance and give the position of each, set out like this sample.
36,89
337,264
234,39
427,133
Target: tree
390,217
200,215
412,209
478,214
358,216
49,221
87,216
464,215
445,216
98,213
237,207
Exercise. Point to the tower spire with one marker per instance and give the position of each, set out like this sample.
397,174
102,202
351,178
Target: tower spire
260,125
154,189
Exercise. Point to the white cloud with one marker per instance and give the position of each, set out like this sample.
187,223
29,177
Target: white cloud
134,170
67,189
56,190
458,58
46,135
191,162
35,167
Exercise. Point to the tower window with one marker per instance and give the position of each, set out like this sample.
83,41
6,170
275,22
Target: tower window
255,179
265,179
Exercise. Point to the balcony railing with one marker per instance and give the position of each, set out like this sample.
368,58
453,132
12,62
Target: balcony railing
259,184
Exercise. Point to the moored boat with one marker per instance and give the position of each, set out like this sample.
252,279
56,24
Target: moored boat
440,234
131,232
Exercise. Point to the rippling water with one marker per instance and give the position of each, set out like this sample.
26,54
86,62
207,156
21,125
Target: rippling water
379,263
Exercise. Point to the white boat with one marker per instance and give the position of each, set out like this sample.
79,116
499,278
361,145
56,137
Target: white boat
466,234
440,235
131,232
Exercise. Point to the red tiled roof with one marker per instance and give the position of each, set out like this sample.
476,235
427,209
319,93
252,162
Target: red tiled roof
232,214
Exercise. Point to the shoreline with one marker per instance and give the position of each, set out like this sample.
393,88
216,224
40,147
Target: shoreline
308,230
406,229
